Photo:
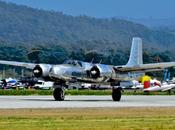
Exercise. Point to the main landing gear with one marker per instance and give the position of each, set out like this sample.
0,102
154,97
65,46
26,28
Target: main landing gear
116,94
58,92
116,91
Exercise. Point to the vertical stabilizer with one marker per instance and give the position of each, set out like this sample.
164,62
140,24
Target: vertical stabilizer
136,57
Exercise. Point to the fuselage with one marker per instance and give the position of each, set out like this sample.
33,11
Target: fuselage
88,72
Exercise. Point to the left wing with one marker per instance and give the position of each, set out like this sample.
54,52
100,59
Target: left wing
145,67
20,64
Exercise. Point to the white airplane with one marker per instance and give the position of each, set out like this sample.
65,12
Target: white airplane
154,86
84,72
158,86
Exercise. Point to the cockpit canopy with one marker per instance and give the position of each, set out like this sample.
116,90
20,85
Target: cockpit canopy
73,62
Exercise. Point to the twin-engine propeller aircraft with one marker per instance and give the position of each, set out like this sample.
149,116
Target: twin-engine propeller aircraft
84,72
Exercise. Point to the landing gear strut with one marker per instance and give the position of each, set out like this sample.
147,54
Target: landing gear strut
59,94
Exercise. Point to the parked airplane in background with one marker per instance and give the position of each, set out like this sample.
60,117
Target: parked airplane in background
78,71
8,83
156,85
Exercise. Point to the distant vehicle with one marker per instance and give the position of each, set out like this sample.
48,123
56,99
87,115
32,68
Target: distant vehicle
85,86
1,85
127,84
73,86
100,87
43,85
79,86
28,81
137,85
19,85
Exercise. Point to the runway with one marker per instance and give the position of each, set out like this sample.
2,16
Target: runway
12,102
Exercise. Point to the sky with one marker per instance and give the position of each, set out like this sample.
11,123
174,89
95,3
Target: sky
106,8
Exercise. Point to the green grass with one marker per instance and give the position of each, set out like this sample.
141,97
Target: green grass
26,92
88,119
75,92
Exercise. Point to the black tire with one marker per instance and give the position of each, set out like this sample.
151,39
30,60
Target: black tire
59,94
116,94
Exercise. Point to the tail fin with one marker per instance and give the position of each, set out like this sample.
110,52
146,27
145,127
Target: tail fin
136,57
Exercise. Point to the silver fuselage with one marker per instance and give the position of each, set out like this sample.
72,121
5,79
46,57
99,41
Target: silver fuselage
69,72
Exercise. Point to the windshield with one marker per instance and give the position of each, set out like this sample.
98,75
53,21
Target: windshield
39,82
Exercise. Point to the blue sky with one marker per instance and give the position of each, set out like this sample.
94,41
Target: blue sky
107,8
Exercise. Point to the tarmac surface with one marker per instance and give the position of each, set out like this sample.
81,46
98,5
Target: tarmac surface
12,102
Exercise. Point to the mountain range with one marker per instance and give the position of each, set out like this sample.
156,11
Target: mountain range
22,25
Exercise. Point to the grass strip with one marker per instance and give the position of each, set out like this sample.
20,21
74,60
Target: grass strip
88,119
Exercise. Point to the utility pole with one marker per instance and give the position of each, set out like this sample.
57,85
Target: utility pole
22,72
3,73
14,74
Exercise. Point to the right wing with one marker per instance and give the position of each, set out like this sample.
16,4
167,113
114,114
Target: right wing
20,64
145,67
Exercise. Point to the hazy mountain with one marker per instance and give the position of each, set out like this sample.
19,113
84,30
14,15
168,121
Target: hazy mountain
155,22
21,25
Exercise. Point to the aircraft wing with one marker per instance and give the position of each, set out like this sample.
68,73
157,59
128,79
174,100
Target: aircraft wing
20,64
145,67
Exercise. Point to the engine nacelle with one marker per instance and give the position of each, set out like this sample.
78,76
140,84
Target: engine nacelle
42,70
100,70
94,72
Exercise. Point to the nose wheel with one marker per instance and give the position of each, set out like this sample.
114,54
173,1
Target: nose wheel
59,94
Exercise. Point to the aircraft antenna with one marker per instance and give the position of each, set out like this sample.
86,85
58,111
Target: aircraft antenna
100,61
92,60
